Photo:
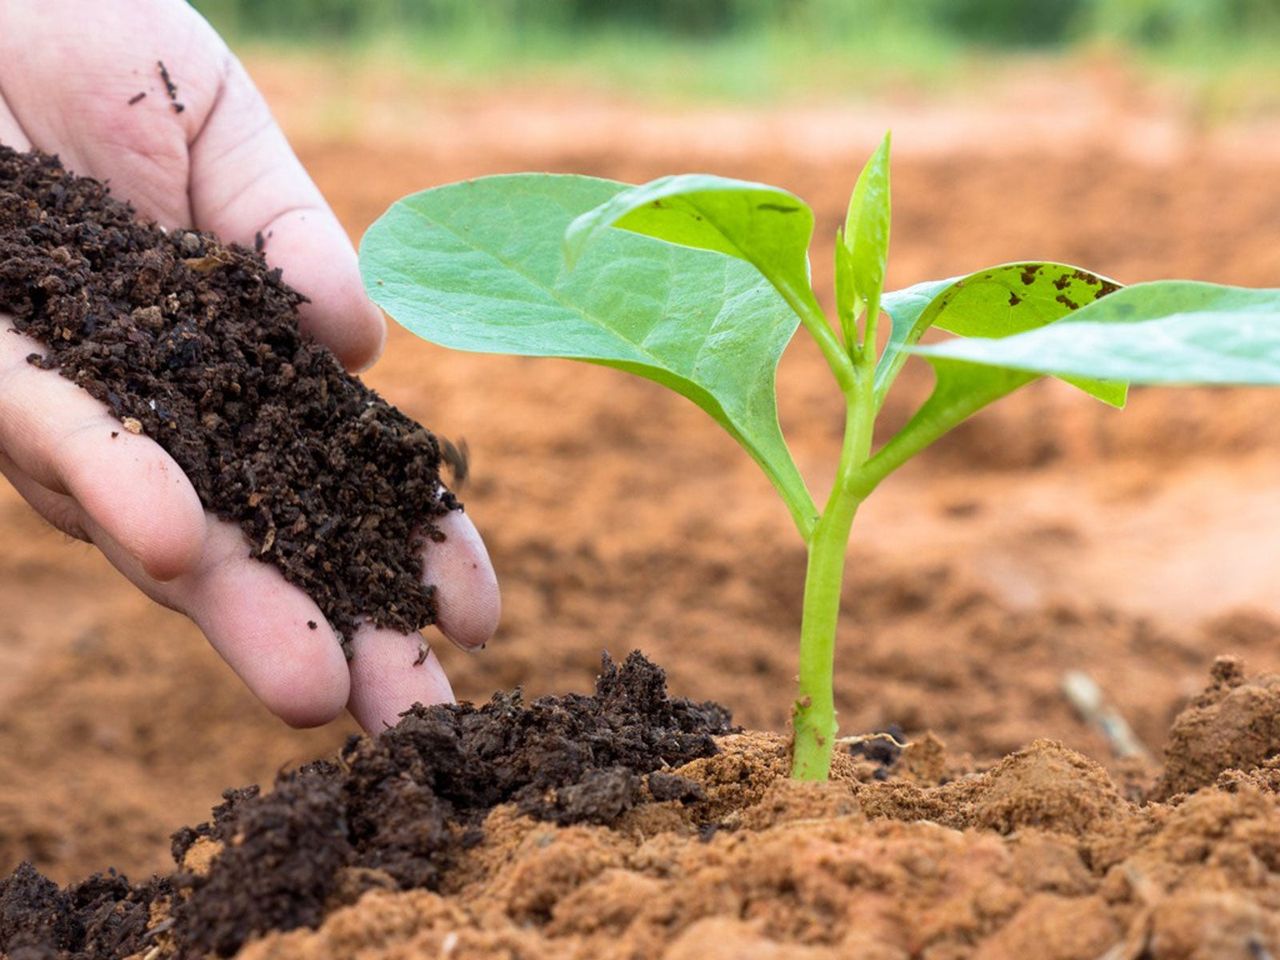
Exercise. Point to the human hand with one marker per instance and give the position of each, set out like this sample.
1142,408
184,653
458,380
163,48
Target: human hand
68,69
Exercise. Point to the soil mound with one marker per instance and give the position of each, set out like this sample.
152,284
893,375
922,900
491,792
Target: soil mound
197,344
395,812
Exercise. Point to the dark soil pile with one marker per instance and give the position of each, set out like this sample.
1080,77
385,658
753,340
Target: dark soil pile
197,344
394,813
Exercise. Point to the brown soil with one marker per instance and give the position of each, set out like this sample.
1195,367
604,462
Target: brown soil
535,832
392,813
1049,535
198,345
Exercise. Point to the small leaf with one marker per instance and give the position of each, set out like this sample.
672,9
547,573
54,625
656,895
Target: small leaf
848,304
909,316
479,266
996,302
865,239
1169,331
765,226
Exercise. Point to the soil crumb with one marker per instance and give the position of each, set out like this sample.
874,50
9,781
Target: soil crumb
197,345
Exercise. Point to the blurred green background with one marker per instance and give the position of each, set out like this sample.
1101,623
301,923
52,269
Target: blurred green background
755,48
998,22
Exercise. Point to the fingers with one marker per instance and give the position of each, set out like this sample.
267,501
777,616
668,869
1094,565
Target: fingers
390,672
467,599
274,636
11,132
62,513
267,630
219,164
63,439
245,182
263,627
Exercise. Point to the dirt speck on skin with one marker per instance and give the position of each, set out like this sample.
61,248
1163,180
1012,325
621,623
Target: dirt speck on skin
196,344
170,88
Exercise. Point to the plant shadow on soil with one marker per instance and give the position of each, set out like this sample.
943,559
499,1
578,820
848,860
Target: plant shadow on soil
630,824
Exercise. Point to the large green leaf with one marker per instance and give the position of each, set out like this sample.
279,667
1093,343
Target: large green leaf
767,227
1170,331
479,266
997,302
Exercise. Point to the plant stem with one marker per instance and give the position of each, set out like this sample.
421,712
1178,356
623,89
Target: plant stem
939,416
814,714
815,321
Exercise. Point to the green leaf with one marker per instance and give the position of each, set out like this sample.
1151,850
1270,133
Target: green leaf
997,302
479,266
848,304
864,243
1170,331
909,319
767,227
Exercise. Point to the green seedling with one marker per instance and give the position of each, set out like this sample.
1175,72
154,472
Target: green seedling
699,282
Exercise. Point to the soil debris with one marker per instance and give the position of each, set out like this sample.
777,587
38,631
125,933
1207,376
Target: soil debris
170,88
1040,856
883,748
197,345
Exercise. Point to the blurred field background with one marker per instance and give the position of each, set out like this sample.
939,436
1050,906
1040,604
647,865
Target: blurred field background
1225,53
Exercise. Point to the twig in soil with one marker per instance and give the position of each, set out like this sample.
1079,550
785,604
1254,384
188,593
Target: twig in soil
868,737
1137,938
1087,698
159,928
